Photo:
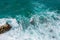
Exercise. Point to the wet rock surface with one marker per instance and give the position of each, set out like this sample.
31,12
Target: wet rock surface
4,28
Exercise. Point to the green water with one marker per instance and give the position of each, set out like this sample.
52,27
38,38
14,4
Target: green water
15,7
25,7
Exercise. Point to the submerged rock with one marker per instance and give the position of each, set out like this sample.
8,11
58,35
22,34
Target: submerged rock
32,21
4,28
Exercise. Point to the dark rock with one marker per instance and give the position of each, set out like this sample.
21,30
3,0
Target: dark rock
4,28
32,21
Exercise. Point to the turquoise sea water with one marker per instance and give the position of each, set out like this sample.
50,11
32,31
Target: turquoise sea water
26,7
31,19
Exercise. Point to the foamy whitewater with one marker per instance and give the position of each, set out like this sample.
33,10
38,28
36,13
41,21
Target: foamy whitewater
22,29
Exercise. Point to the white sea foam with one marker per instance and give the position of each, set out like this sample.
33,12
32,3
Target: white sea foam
2,22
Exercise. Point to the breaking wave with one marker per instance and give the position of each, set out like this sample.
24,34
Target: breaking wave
43,20
22,29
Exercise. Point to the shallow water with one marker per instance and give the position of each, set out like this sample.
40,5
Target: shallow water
19,13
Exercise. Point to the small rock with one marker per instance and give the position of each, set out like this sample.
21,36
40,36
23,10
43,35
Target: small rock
4,28
32,21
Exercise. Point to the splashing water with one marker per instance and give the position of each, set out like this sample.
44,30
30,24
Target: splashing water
43,20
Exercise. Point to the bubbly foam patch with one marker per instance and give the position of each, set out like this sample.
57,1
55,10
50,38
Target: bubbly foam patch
2,22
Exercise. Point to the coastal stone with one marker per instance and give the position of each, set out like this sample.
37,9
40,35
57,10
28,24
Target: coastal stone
32,21
4,28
